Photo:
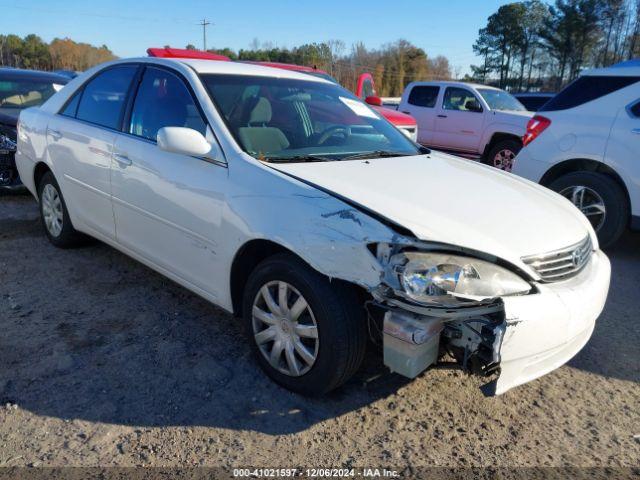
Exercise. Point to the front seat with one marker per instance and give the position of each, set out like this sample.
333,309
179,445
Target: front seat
257,137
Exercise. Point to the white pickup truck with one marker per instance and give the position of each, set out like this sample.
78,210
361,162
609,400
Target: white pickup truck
473,120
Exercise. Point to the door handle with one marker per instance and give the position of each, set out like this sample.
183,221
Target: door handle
122,159
406,113
442,116
636,131
54,133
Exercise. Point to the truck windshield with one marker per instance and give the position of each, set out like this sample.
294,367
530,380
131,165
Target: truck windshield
501,100
281,119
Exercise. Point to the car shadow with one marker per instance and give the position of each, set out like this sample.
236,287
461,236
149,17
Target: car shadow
91,334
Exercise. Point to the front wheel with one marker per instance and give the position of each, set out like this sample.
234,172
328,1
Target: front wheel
308,334
503,153
600,199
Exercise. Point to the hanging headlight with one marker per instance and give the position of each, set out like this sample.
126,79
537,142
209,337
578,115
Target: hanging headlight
427,277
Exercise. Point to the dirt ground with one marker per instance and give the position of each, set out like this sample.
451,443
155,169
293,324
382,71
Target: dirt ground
104,362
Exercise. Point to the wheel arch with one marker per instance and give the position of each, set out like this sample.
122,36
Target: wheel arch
38,172
584,164
498,137
249,256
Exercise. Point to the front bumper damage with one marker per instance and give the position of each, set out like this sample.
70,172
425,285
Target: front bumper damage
510,340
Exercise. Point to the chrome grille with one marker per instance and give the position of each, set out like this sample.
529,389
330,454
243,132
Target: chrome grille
561,264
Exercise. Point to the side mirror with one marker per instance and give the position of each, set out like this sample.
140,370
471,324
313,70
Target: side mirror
186,141
373,100
473,106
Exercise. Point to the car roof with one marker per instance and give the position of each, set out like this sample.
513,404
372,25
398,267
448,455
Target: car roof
37,75
453,83
630,68
229,68
286,66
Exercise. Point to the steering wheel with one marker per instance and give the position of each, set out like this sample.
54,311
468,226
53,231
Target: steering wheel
331,131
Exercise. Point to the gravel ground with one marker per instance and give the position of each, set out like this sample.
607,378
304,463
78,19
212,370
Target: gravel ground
104,362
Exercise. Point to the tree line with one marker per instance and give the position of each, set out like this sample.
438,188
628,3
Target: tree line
529,45
392,66
60,54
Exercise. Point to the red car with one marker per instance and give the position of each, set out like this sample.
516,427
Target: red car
365,88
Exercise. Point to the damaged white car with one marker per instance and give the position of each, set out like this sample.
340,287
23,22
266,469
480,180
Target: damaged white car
284,199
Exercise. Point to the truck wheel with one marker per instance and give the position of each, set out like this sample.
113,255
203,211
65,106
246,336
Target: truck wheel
601,200
308,334
54,214
502,154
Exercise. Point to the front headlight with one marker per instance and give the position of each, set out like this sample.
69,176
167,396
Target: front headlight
427,277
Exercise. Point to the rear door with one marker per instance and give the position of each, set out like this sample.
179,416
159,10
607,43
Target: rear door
457,127
80,142
167,206
623,150
421,105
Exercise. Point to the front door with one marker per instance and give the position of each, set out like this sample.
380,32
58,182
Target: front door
458,127
168,207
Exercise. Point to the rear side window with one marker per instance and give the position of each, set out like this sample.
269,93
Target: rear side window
163,100
533,104
424,96
635,110
586,89
103,98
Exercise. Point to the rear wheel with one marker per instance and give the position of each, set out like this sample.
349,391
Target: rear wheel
502,154
600,199
308,334
54,214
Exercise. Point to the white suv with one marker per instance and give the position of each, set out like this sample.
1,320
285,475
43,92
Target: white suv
283,198
585,144
468,119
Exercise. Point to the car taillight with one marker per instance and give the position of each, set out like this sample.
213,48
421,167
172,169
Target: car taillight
535,127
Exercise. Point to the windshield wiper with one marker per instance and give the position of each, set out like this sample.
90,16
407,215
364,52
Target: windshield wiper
298,158
375,154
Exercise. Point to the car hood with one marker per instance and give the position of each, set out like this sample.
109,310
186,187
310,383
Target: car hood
446,199
395,117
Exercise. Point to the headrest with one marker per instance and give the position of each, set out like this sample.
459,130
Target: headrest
261,113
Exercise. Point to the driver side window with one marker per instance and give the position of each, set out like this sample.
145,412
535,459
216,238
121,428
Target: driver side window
163,100
459,99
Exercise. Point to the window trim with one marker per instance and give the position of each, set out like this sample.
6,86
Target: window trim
452,87
629,109
435,103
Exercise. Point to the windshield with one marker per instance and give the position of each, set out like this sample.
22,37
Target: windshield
17,94
501,100
282,119
326,76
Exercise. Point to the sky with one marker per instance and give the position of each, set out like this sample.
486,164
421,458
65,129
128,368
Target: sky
129,27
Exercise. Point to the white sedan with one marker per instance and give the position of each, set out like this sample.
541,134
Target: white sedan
287,201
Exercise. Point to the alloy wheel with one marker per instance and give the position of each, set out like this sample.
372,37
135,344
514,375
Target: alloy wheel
589,202
503,160
52,210
285,329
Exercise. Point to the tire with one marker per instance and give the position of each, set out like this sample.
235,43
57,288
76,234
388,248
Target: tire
612,195
334,309
50,197
505,162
